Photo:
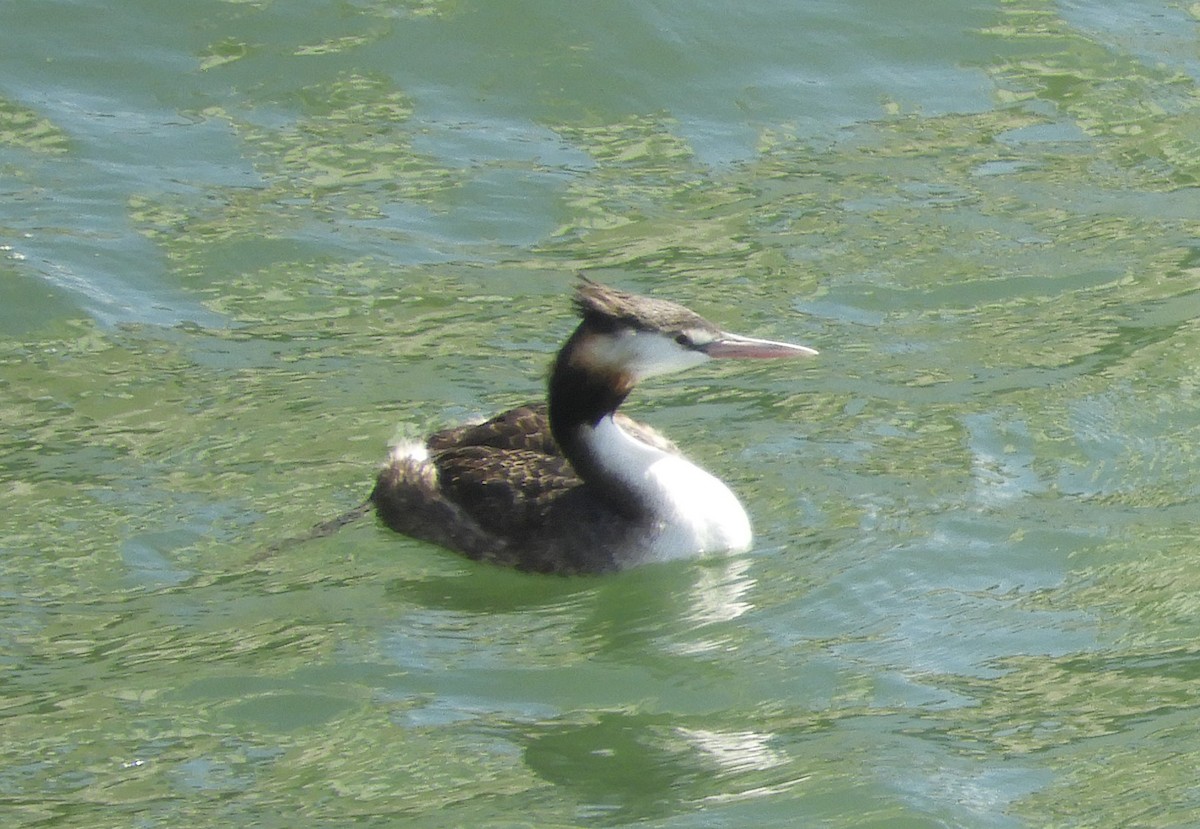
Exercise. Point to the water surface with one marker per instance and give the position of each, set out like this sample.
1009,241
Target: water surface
244,245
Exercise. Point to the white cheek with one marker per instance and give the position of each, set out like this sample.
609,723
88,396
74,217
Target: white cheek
642,354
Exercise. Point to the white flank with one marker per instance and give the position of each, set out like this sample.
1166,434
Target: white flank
695,513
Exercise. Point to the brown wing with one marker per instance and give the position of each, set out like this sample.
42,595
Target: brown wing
528,427
522,428
507,473
506,491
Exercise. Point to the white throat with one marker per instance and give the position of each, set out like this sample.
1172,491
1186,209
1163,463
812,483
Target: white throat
692,512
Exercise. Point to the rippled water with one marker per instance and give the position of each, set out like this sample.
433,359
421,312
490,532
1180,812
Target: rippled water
243,245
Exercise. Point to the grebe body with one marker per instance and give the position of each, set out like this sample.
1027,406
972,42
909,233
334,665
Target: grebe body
573,485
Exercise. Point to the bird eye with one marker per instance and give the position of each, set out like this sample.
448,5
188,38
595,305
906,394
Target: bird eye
683,339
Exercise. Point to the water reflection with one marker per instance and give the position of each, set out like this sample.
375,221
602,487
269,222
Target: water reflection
630,767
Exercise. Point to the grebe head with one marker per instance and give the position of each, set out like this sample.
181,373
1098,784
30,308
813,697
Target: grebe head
634,337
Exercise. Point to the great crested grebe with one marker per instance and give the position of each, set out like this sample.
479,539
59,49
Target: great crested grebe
572,485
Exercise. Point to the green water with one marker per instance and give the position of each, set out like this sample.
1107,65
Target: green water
244,245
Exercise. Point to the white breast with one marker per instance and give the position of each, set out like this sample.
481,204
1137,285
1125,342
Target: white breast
694,513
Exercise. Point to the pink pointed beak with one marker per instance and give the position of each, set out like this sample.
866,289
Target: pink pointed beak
735,346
